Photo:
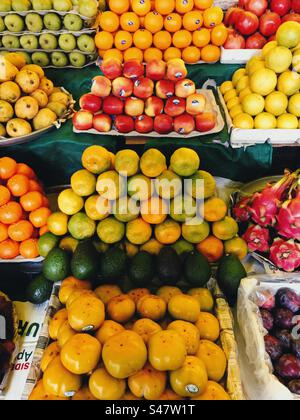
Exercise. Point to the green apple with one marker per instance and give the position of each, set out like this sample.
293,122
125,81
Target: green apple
52,22
73,22
42,4
62,5
77,59
10,42
67,42
26,56
34,22
86,43
29,42
48,42
41,59
2,24
88,8
5,6
21,5
59,59
14,23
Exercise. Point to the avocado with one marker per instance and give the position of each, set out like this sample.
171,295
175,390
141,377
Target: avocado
113,264
85,261
169,267
230,273
56,265
197,270
141,271
39,290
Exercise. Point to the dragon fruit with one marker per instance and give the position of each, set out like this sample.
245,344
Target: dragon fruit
241,211
257,238
288,219
285,254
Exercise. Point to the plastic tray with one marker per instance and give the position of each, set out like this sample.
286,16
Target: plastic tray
237,56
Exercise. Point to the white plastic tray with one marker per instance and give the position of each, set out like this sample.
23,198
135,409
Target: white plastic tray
237,56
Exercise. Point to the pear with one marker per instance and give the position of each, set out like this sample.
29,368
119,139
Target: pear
88,8
2,131
7,70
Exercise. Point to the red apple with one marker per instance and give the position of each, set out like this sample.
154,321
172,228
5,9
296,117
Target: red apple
83,120
122,87
102,123
247,23
269,23
124,124
101,86
144,124
163,124
242,3
90,102
165,89
296,6
256,42
175,106
185,88
291,17
133,69
112,68
154,106
134,107
235,42
184,124
281,7
156,70
258,7
195,104
176,70
113,106
205,122
143,88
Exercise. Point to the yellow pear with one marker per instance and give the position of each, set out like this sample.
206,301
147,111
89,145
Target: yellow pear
7,70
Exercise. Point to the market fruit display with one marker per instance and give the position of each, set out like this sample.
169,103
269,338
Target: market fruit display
255,22
148,349
265,94
270,222
279,317
29,101
132,97
145,30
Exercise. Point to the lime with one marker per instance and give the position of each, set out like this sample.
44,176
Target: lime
81,226
168,185
185,162
183,209
125,209
200,180
153,163
195,232
46,243
110,230
139,187
127,162
182,247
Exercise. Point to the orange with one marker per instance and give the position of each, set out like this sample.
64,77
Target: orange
154,22
8,167
164,7
212,248
201,38
191,55
104,40
193,21
210,54
203,4
20,231
32,201
123,40
184,6
113,53
153,54
172,53
101,53
9,249
215,209
35,186
168,233
141,7
213,17
142,39
162,40
24,169
39,217
219,35
182,39
18,185
119,6
46,202
109,21
173,22
133,54
130,22
43,230
3,232
154,211
4,195
29,249
10,213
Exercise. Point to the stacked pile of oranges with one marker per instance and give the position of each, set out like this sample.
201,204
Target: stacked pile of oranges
24,210
161,29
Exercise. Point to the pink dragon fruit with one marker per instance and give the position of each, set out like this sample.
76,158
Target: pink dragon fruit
288,219
285,254
241,211
257,238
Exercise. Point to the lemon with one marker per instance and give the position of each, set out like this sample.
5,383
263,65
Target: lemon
185,162
83,183
111,185
69,202
139,187
288,34
153,163
263,82
111,231
268,47
276,103
183,209
96,159
127,162
200,180
287,122
97,208
254,64
236,110
243,121
296,60
237,76
125,209
226,87
279,59
265,121
195,232
237,246
225,229
294,105
58,223
230,95
81,227
138,232
244,93
168,232
232,103
253,104
289,83
168,185
242,84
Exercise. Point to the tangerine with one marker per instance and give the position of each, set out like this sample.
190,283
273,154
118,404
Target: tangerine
211,53
123,40
142,39
182,39
162,40
164,7
130,22
18,185
153,54
20,231
24,169
29,249
35,186
8,167
4,195
3,232
32,201
39,217
191,55
11,213
109,21
9,249
104,40
153,22
173,22
141,7
43,230
201,38
212,248
193,20
213,17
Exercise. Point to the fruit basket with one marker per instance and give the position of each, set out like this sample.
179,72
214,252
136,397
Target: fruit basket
263,300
